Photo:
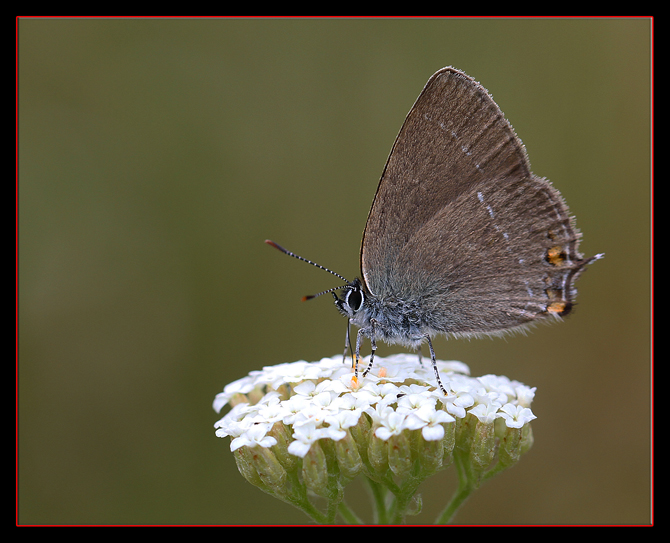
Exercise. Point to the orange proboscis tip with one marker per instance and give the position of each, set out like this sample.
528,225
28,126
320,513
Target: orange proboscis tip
354,382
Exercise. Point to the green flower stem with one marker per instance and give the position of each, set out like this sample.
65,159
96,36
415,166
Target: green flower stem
466,484
299,499
405,498
457,500
306,507
493,471
348,515
378,493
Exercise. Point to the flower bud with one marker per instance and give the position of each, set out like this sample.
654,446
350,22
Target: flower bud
282,434
378,454
360,433
482,449
315,470
259,464
348,457
526,439
510,447
430,454
246,467
399,454
448,443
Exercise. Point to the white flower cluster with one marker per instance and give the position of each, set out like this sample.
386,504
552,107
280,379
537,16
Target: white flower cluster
321,400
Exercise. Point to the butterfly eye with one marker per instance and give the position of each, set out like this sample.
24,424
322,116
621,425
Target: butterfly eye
354,298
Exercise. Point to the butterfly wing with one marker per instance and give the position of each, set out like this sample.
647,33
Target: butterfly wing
460,226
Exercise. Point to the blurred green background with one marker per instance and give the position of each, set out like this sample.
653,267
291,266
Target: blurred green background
156,155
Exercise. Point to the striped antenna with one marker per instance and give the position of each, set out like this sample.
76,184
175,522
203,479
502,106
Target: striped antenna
305,298
287,252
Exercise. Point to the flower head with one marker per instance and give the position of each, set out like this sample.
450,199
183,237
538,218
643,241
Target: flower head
316,421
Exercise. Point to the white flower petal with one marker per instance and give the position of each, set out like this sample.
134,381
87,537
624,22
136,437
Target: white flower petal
299,448
516,416
486,413
433,433
320,400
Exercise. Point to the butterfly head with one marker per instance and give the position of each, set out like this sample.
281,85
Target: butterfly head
351,300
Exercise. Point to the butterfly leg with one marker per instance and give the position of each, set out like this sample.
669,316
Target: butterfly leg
357,355
433,361
373,346
347,342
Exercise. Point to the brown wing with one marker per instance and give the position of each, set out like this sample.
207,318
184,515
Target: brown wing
460,228
453,138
